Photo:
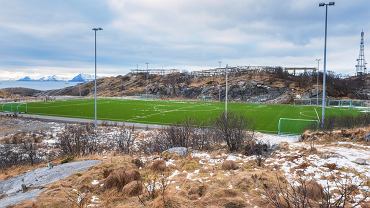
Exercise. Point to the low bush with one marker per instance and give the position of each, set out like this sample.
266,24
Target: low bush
158,166
120,177
67,159
134,188
229,165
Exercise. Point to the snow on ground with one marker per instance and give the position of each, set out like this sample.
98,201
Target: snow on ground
35,180
275,139
330,161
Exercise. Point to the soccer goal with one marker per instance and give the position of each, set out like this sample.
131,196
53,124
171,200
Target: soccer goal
292,126
14,107
346,103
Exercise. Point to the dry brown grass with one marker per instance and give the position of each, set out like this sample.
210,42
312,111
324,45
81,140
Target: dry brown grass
229,165
123,190
189,164
134,188
331,166
197,191
120,177
315,190
303,165
138,162
158,166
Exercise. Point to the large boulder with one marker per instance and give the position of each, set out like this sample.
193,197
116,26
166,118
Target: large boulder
362,161
367,137
181,151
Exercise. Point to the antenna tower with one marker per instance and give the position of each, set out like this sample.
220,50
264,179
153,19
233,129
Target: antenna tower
361,63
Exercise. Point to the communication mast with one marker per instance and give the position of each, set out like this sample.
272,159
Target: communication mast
361,63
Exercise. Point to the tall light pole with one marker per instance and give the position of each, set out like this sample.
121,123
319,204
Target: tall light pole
219,64
324,75
317,81
146,78
226,89
95,104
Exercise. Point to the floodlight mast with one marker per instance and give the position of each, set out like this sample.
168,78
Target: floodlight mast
95,98
226,89
317,81
146,78
324,73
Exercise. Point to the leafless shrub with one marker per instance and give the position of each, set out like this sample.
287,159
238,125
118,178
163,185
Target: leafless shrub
78,199
188,134
125,139
138,162
304,193
10,155
204,138
29,148
156,144
157,184
78,140
254,147
232,127
345,193
180,135
21,148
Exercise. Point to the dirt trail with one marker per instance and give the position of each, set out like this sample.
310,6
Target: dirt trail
36,179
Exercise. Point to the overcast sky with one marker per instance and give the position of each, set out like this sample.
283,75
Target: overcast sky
43,37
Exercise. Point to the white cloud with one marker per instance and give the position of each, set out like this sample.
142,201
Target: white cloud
56,38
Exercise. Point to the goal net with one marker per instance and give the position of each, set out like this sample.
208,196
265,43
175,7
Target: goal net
309,101
346,103
14,107
292,126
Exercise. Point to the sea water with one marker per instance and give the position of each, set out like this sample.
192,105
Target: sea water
37,85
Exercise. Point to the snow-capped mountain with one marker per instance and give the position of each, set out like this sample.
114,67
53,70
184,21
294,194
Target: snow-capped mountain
26,78
82,78
78,78
46,78
50,78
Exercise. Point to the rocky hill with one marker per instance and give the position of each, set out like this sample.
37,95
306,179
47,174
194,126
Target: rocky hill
18,92
274,87
262,86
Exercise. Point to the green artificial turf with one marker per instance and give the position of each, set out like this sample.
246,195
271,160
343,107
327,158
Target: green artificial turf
265,117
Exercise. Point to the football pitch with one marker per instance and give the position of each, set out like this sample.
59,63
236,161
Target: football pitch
264,117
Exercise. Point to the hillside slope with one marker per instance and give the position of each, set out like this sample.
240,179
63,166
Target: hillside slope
252,87
269,87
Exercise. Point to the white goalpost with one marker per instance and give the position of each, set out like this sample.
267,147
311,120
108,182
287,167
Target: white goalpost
294,126
14,107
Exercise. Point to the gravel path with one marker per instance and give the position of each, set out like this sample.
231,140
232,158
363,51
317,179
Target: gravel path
36,180
82,120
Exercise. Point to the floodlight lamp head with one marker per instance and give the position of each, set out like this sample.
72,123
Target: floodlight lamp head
321,4
332,3
96,29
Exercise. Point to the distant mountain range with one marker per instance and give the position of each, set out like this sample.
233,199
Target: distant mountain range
82,78
78,78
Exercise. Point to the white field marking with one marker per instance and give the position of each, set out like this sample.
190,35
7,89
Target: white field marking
163,112
160,112
64,105
304,115
318,118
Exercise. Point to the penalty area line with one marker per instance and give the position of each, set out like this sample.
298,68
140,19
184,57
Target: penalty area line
318,118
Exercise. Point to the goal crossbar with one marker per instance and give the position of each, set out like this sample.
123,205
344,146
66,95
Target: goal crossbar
300,124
